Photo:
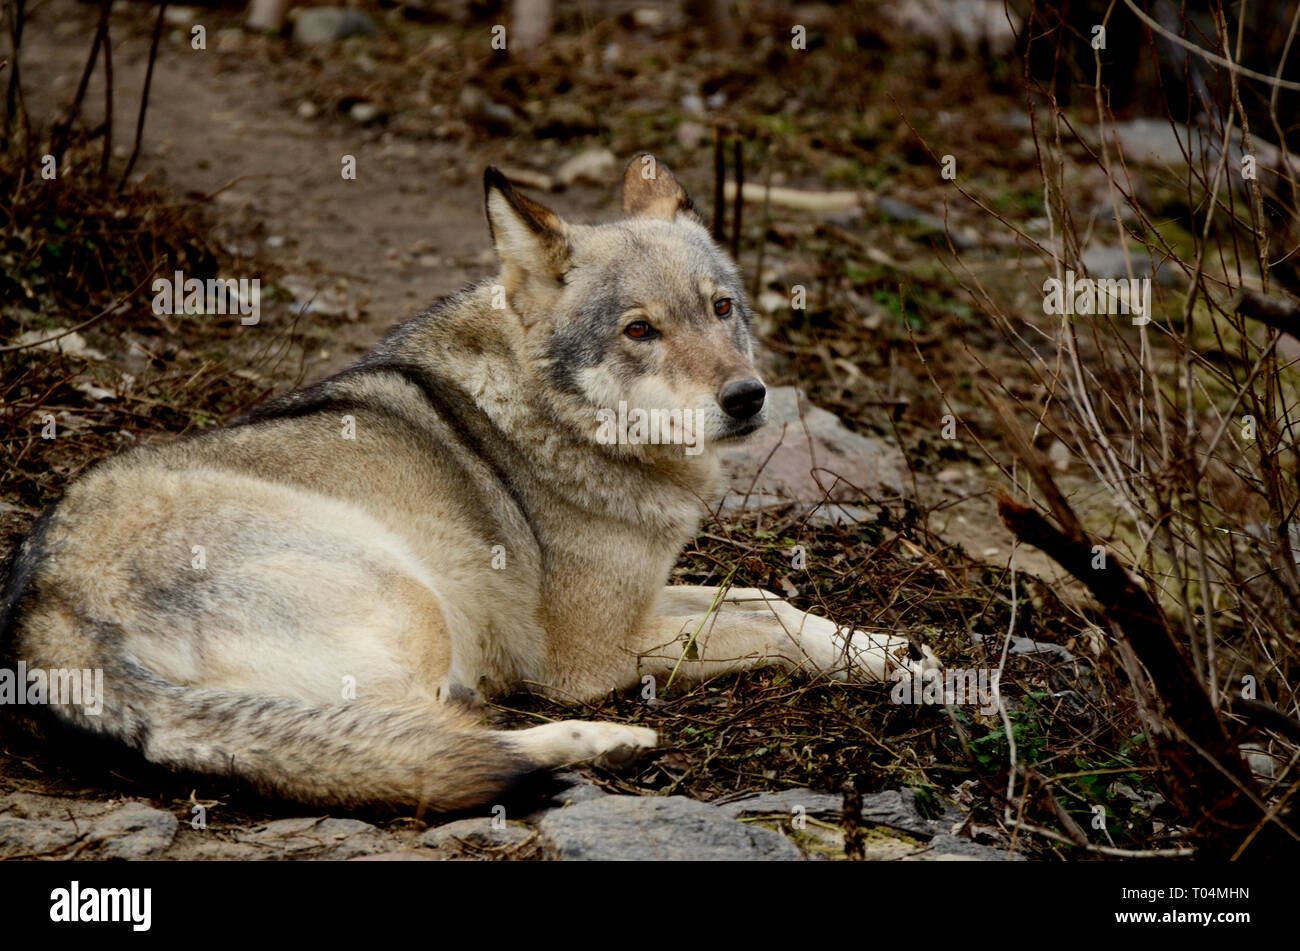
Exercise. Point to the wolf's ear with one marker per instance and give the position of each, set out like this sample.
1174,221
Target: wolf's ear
650,189
530,238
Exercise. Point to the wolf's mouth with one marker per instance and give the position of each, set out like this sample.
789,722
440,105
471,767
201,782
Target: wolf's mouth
741,430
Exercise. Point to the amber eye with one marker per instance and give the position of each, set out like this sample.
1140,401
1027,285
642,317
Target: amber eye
722,307
640,330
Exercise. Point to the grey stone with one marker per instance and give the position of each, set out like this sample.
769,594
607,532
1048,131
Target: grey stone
594,166
795,449
896,210
893,807
477,107
951,25
649,828
580,789
395,857
327,24
220,850
1025,645
133,831
27,838
364,112
1160,142
319,838
1108,263
951,848
483,832
897,808
784,802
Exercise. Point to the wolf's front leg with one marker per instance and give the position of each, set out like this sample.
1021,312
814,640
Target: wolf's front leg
749,627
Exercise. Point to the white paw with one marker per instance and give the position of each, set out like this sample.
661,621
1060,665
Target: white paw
874,656
625,745
576,741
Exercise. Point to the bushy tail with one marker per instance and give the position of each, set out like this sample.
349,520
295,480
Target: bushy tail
433,757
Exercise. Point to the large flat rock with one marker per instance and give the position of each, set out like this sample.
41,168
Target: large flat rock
651,828
805,454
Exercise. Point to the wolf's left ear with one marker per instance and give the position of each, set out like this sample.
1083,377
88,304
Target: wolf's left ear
650,189
530,238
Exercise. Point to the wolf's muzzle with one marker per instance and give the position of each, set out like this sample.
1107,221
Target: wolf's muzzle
743,399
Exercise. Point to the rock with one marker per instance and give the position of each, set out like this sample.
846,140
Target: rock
179,16
1156,141
893,828
897,809
133,831
364,112
772,302
1261,762
648,18
1108,262
1059,455
951,25
94,393
220,850
59,341
952,848
327,24
483,832
267,15
864,463
1024,645
651,828
784,802
893,807
319,838
395,857
693,104
595,167
896,210
478,108
580,789
30,838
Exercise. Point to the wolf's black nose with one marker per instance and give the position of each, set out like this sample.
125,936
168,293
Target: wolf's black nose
743,398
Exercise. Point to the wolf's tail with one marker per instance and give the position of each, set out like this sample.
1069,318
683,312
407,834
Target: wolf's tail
433,757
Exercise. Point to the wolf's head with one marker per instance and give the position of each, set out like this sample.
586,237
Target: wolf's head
639,325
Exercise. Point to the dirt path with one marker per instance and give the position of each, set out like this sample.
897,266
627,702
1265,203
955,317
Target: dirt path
408,229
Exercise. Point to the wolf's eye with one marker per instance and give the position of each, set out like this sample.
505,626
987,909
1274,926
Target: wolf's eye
640,330
722,307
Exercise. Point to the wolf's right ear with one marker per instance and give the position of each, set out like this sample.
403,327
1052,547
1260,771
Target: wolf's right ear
530,239
650,189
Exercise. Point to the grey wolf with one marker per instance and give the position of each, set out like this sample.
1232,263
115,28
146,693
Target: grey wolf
312,599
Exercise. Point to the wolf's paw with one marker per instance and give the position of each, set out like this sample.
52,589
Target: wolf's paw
575,741
928,660
872,656
626,745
